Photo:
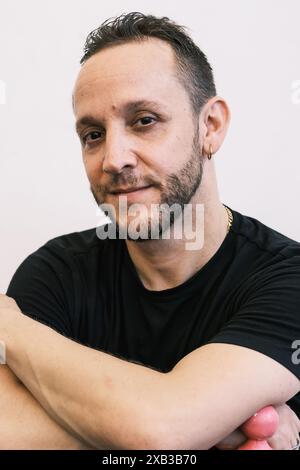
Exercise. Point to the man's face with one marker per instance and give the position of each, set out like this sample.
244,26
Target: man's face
140,131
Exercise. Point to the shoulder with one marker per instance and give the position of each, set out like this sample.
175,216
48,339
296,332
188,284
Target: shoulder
266,245
67,257
75,242
73,246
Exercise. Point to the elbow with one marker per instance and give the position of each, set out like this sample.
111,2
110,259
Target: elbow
173,434
164,436
148,433
177,442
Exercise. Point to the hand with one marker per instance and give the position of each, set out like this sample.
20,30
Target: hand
284,438
8,303
233,441
287,434
8,308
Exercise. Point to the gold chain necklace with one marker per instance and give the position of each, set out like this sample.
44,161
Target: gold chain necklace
230,218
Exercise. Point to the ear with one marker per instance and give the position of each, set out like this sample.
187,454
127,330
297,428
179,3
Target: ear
214,122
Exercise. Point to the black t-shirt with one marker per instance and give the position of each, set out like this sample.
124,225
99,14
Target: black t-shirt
248,294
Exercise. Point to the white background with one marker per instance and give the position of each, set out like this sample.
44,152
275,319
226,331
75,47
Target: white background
254,48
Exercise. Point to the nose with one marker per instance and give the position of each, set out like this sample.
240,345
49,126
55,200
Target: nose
118,153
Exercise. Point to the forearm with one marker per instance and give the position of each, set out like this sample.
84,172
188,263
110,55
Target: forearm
114,404
104,400
24,424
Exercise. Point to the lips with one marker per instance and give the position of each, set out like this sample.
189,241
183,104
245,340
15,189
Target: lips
129,190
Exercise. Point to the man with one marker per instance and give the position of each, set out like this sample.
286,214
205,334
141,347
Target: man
179,346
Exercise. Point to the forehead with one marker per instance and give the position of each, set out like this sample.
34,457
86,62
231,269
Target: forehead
127,72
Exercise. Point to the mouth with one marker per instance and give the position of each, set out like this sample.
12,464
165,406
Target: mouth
132,195
130,190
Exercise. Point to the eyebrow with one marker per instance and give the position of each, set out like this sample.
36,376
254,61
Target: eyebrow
130,107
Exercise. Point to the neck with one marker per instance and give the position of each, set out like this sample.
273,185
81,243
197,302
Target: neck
163,264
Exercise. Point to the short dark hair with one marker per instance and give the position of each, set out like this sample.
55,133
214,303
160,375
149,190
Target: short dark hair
194,71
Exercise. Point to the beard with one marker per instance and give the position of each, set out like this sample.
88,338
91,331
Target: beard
179,189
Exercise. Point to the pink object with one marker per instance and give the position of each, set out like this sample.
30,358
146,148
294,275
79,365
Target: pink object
261,425
255,445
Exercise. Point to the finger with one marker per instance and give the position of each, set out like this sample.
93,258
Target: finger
285,439
6,301
233,441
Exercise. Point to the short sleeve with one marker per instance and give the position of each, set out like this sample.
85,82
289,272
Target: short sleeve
268,316
42,287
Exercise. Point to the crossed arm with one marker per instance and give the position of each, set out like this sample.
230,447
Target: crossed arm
111,403
24,424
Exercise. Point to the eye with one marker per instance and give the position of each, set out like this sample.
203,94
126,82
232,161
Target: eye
145,118
94,135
